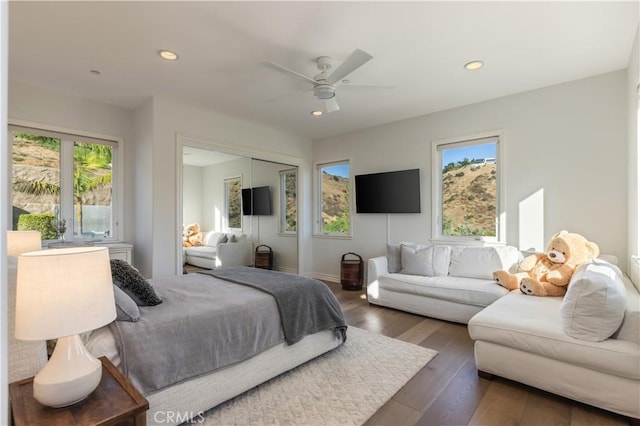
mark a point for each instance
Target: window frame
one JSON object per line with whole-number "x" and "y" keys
{"x": 436, "y": 190}
{"x": 66, "y": 170}
{"x": 318, "y": 229}
{"x": 226, "y": 201}
{"x": 283, "y": 201}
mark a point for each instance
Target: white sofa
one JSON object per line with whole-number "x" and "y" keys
{"x": 528, "y": 339}
{"x": 584, "y": 346}
{"x": 458, "y": 285}
{"x": 220, "y": 249}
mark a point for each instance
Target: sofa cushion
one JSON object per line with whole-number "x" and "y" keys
{"x": 430, "y": 261}
{"x": 214, "y": 238}
{"x": 207, "y": 252}
{"x": 481, "y": 262}
{"x": 468, "y": 291}
{"x": 394, "y": 259}
{"x": 595, "y": 303}
{"x": 533, "y": 324}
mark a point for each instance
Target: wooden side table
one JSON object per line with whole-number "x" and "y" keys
{"x": 114, "y": 402}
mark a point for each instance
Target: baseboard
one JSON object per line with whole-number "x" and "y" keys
{"x": 325, "y": 277}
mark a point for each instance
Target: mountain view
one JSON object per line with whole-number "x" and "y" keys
{"x": 335, "y": 203}
{"x": 469, "y": 198}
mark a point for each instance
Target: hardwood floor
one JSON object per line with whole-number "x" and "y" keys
{"x": 448, "y": 391}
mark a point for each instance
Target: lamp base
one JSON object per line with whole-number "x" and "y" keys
{"x": 70, "y": 376}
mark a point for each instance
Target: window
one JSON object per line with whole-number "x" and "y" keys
{"x": 334, "y": 203}
{"x": 233, "y": 202}
{"x": 63, "y": 185}
{"x": 288, "y": 201}
{"x": 466, "y": 189}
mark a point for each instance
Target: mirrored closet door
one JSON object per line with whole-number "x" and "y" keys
{"x": 233, "y": 194}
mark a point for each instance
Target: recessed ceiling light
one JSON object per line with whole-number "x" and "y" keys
{"x": 473, "y": 65}
{"x": 317, "y": 113}
{"x": 168, "y": 55}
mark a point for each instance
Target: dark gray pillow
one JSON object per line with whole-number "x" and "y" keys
{"x": 131, "y": 281}
{"x": 126, "y": 308}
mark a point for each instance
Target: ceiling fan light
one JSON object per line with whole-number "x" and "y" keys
{"x": 324, "y": 91}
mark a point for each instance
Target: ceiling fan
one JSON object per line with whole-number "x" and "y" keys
{"x": 324, "y": 84}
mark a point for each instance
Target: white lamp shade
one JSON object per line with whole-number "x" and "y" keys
{"x": 62, "y": 292}
{"x": 19, "y": 242}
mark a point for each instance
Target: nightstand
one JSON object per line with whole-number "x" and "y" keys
{"x": 114, "y": 402}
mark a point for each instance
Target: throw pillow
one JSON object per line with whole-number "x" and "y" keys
{"x": 595, "y": 303}
{"x": 126, "y": 308}
{"x": 131, "y": 281}
{"x": 481, "y": 262}
{"x": 430, "y": 261}
{"x": 415, "y": 259}
{"x": 394, "y": 264}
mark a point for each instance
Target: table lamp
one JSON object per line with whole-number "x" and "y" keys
{"x": 23, "y": 241}
{"x": 61, "y": 293}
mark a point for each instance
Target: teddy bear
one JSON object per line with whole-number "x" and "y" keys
{"x": 548, "y": 274}
{"x": 191, "y": 236}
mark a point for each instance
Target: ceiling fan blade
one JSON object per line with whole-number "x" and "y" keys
{"x": 331, "y": 105}
{"x": 287, "y": 70}
{"x": 356, "y": 60}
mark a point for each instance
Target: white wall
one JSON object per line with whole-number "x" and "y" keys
{"x": 142, "y": 186}
{"x": 569, "y": 140}
{"x": 213, "y": 195}
{"x": 49, "y": 108}
{"x": 633, "y": 80}
{"x": 170, "y": 119}
{"x": 267, "y": 228}
{"x": 4, "y": 210}
{"x": 192, "y": 195}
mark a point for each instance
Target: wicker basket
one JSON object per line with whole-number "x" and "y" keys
{"x": 264, "y": 257}
{"x": 351, "y": 272}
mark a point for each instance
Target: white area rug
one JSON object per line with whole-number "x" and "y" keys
{"x": 343, "y": 387}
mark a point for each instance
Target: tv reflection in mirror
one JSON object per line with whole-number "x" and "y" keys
{"x": 256, "y": 201}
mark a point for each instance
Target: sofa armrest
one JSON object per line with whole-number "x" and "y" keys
{"x": 376, "y": 266}
{"x": 234, "y": 254}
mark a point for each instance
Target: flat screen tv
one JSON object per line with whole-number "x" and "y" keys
{"x": 256, "y": 201}
{"x": 388, "y": 192}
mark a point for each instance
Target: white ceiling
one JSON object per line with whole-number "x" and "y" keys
{"x": 419, "y": 48}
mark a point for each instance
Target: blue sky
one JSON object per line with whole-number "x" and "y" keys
{"x": 341, "y": 170}
{"x": 487, "y": 150}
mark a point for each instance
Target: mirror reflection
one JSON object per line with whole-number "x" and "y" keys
{"x": 238, "y": 211}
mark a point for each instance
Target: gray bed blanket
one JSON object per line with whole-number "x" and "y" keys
{"x": 203, "y": 324}
{"x": 306, "y": 305}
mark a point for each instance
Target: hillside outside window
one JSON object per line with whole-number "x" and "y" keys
{"x": 333, "y": 216}
{"x": 63, "y": 185}
{"x": 233, "y": 202}
{"x": 288, "y": 201}
{"x": 467, "y": 189}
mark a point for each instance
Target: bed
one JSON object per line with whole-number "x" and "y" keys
{"x": 259, "y": 333}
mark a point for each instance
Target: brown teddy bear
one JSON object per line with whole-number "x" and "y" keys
{"x": 191, "y": 236}
{"x": 548, "y": 274}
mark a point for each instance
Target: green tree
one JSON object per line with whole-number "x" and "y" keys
{"x": 92, "y": 169}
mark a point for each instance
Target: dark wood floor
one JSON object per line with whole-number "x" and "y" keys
{"x": 448, "y": 391}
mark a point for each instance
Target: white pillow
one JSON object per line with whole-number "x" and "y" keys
{"x": 214, "y": 238}
{"x": 430, "y": 261}
{"x": 481, "y": 262}
{"x": 595, "y": 303}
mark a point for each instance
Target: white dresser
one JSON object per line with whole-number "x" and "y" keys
{"x": 122, "y": 251}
